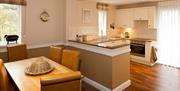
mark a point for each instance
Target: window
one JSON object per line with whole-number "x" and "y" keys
{"x": 169, "y": 33}
{"x": 102, "y": 15}
{"x": 9, "y": 20}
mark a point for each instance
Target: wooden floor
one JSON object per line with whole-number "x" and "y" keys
{"x": 87, "y": 87}
{"x": 156, "y": 78}
{"x": 146, "y": 78}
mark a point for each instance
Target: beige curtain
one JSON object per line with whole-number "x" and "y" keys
{"x": 16, "y": 2}
{"x": 102, "y": 6}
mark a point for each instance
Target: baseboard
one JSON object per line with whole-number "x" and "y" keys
{"x": 123, "y": 86}
{"x": 142, "y": 62}
{"x": 103, "y": 88}
{"x": 43, "y": 45}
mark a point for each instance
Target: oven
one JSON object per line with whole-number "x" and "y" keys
{"x": 138, "y": 48}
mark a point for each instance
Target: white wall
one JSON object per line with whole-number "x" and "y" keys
{"x": 35, "y": 32}
{"x": 74, "y": 19}
{"x": 141, "y": 30}
{"x": 111, "y": 19}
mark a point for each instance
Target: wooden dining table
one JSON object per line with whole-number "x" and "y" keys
{"x": 25, "y": 82}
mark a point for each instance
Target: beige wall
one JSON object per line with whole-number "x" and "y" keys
{"x": 74, "y": 18}
{"x": 36, "y": 32}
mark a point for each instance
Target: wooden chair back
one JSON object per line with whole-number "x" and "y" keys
{"x": 4, "y": 81}
{"x": 17, "y": 52}
{"x": 55, "y": 54}
{"x": 70, "y": 59}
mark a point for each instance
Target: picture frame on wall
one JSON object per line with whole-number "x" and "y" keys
{"x": 86, "y": 15}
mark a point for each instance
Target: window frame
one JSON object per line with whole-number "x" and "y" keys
{"x": 102, "y": 22}
{"x": 19, "y": 25}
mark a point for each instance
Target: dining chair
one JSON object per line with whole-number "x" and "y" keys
{"x": 70, "y": 59}
{"x": 63, "y": 82}
{"x": 4, "y": 81}
{"x": 55, "y": 54}
{"x": 17, "y": 52}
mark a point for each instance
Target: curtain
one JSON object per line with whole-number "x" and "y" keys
{"x": 169, "y": 33}
{"x": 102, "y": 6}
{"x": 102, "y": 16}
{"x": 16, "y": 2}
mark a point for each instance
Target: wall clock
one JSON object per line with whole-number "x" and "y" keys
{"x": 44, "y": 16}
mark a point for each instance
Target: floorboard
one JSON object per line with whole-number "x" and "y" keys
{"x": 156, "y": 78}
{"x": 146, "y": 78}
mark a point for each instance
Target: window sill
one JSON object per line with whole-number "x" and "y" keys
{"x": 4, "y": 44}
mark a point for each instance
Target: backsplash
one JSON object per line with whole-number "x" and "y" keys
{"x": 90, "y": 31}
{"x": 141, "y": 30}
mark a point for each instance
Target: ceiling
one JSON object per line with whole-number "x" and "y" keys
{"x": 121, "y": 2}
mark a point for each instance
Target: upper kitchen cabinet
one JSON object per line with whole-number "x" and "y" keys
{"x": 140, "y": 13}
{"x": 146, "y": 13}
{"x": 124, "y": 18}
{"x": 129, "y": 15}
{"x": 152, "y": 17}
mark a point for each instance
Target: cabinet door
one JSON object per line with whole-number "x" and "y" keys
{"x": 140, "y": 13}
{"x": 152, "y": 16}
{"x": 124, "y": 18}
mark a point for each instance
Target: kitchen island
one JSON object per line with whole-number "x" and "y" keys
{"x": 105, "y": 65}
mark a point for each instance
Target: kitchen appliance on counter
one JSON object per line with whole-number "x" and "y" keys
{"x": 81, "y": 38}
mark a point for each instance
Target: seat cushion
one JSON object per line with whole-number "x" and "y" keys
{"x": 62, "y": 82}
{"x": 64, "y": 77}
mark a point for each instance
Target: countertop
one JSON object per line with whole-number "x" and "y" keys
{"x": 142, "y": 39}
{"x": 111, "y": 44}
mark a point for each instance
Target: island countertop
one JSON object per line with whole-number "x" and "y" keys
{"x": 113, "y": 44}
{"x": 109, "y": 48}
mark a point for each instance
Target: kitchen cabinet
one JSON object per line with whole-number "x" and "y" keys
{"x": 140, "y": 13}
{"x": 152, "y": 17}
{"x": 126, "y": 17}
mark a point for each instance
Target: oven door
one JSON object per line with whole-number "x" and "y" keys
{"x": 138, "y": 49}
